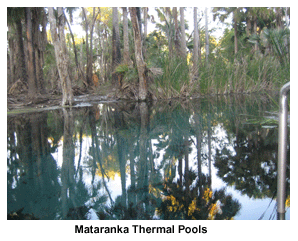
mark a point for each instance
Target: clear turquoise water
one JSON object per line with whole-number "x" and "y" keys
{"x": 209, "y": 158}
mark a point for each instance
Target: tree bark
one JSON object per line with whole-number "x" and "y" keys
{"x": 138, "y": 54}
{"x": 116, "y": 54}
{"x": 31, "y": 64}
{"x": 61, "y": 54}
{"x": 125, "y": 37}
{"x": 37, "y": 48}
{"x": 235, "y": 32}
{"x": 88, "y": 77}
{"x": 145, "y": 30}
{"x": 20, "y": 63}
{"x": 91, "y": 43}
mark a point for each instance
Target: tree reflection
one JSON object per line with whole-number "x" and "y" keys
{"x": 31, "y": 170}
{"x": 163, "y": 154}
{"x": 251, "y": 166}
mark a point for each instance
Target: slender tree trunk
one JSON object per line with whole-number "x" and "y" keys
{"x": 116, "y": 54}
{"x": 145, "y": 30}
{"x": 61, "y": 54}
{"x": 138, "y": 54}
{"x": 31, "y": 64}
{"x": 91, "y": 43}
{"x": 183, "y": 40}
{"x": 90, "y": 57}
{"x": 88, "y": 77}
{"x": 78, "y": 64}
{"x": 125, "y": 37}
{"x": 73, "y": 42}
{"x": 236, "y": 33}
{"x": 196, "y": 44}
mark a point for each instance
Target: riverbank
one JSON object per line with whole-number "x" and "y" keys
{"x": 17, "y": 104}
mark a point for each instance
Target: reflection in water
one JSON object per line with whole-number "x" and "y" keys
{"x": 199, "y": 159}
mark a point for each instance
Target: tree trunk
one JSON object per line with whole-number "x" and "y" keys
{"x": 138, "y": 54}
{"x": 88, "y": 76}
{"x": 145, "y": 30}
{"x": 236, "y": 33}
{"x": 73, "y": 44}
{"x": 20, "y": 56}
{"x": 125, "y": 37}
{"x": 10, "y": 62}
{"x": 91, "y": 43}
{"x": 116, "y": 54}
{"x": 37, "y": 49}
{"x": 196, "y": 44}
{"x": 183, "y": 40}
{"x": 139, "y": 20}
{"x": 61, "y": 54}
{"x": 31, "y": 64}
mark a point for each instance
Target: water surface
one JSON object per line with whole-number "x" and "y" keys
{"x": 209, "y": 158}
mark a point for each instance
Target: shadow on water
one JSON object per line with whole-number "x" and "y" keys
{"x": 196, "y": 159}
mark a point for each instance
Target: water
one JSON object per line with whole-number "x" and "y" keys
{"x": 204, "y": 159}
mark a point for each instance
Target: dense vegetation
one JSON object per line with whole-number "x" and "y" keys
{"x": 119, "y": 58}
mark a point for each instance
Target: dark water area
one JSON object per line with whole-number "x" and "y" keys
{"x": 208, "y": 158}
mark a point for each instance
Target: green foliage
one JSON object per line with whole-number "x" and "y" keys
{"x": 122, "y": 69}
{"x": 174, "y": 82}
{"x": 129, "y": 73}
{"x": 245, "y": 74}
{"x": 279, "y": 41}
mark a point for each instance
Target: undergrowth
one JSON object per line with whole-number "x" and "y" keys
{"x": 246, "y": 74}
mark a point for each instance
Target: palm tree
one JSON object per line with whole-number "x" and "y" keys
{"x": 165, "y": 17}
{"x": 222, "y": 13}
